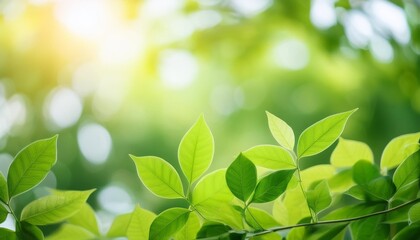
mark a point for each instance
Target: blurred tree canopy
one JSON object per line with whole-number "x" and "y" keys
{"x": 119, "y": 77}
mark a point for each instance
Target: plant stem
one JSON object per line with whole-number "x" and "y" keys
{"x": 271, "y": 230}
{"x": 303, "y": 191}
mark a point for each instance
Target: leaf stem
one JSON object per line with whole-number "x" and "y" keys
{"x": 271, "y": 230}
{"x": 303, "y": 191}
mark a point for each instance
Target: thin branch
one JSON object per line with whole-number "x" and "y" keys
{"x": 271, "y": 230}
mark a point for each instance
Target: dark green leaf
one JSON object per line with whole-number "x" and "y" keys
{"x": 414, "y": 213}
{"x": 381, "y": 187}
{"x": 7, "y": 234}
{"x": 364, "y": 172}
{"x": 272, "y": 186}
{"x": 30, "y": 232}
{"x": 3, "y": 213}
{"x": 212, "y": 229}
{"x": 324, "y": 232}
{"x": 410, "y": 232}
{"x": 364, "y": 229}
{"x": 241, "y": 177}
{"x": 408, "y": 171}
{"x": 31, "y": 165}
{"x": 168, "y": 223}
{"x": 4, "y": 194}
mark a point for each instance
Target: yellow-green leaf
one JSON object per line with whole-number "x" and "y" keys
{"x": 322, "y": 134}
{"x": 269, "y": 156}
{"x": 212, "y": 187}
{"x": 168, "y": 223}
{"x": 54, "y": 208}
{"x": 196, "y": 150}
{"x": 71, "y": 232}
{"x": 259, "y": 219}
{"x": 398, "y": 149}
{"x": 281, "y": 131}
{"x": 191, "y": 228}
{"x": 319, "y": 198}
{"x": 85, "y": 218}
{"x": 348, "y": 152}
{"x": 159, "y": 176}
{"x": 414, "y": 213}
{"x": 408, "y": 171}
{"x": 316, "y": 173}
{"x": 31, "y": 165}
{"x": 139, "y": 224}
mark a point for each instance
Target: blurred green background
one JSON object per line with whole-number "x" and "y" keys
{"x": 119, "y": 77}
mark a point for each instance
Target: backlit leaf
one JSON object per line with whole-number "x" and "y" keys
{"x": 4, "y": 194}
{"x": 281, "y": 131}
{"x": 397, "y": 150}
{"x": 212, "y": 187}
{"x": 269, "y": 156}
{"x": 414, "y": 213}
{"x": 348, "y": 152}
{"x": 31, "y": 165}
{"x": 168, "y": 223}
{"x": 272, "y": 186}
{"x": 214, "y": 210}
{"x": 259, "y": 219}
{"x": 196, "y": 149}
{"x": 319, "y": 198}
{"x": 54, "y": 208}
{"x": 191, "y": 228}
{"x": 119, "y": 226}
{"x": 139, "y": 224}
{"x": 322, "y": 134}
{"x": 85, "y": 218}
{"x": 316, "y": 173}
{"x": 295, "y": 203}
{"x": 159, "y": 177}
{"x": 241, "y": 177}
{"x": 71, "y": 232}
{"x": 408, "y": 171}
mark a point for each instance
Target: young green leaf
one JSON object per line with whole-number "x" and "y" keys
{"x": 408, "y": 171}
{"x": 224, "y": 212}
{"x": 4, "y": 194}
{"x": 71, "y": 232}
{"x": 7, "y": 234}
{"x": 281, "y": 131}
{"x": 319, "y": 198}
{"x": 54, "y": 208}
{"x": 414, "y": 213}
{"x": 168, "y": 223}
{"x": 191, "y": 228}
{"x": 322, "y": 134}
{"x": 269, "y": 156}
{"x": 85, "y": 218}
{"x": 31, "y": 165}
{"x": 341, "y": 181}
{"x": 159, "y": 177}
{"x": 348, "y": 152}
{"x": 364, "y": 172}
{"x": 259, "y": 219}
{"x": 241, "y": 177}
{"x": 294, "y": 202}
{"x": 272, "y": 186}
{"x": 139, "y": 225}
{"x": 3, "y": 213}
{"x": 316, "y": 173}
{"x": 397, "y": 150}
{"x": 30, "y": 232}
{"x": 212, "y": 187}
{"x": 196, "y": 150}
{"x": 119, "y": 226}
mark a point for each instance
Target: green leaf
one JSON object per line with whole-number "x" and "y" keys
{"x": 364, "y": 172}
{"x": 4, "y": 194}
{"x": 363, "y": 229}
{"x": 159, "y": 177}
{"x": 324, "y": 232}
{"x": 119, "y": 226}
{"x": 410, "y": 232}
{"x": 212, "y": 229}
{"x": 348, "y": 152}
{"x": 350, "y": 211}
{"x": 269, "y": 156}
{"x": 31, "y": 165}
{"x": 223, "y": 212}
{"x": 381, "y": 187}
{"x": 212, "y": 187}
{"x": 196, "y": 150}
{"x": 414, "y": 213}
{"x": 30, "y": 232}
{"x": 294, "y": 203}
{"x": 322, "y": 134}
{"x": 139, "y": 224}
{"x": 341, "y": 181}
{"x": 269, "y": 236}
{"x": 408, "y": 171}
{"x": 85, "y": 218}
{"x": 316, "y": 173}
{"x": 281, "y": 131}
{"x": 259, "y": 219}
{"x": 397, "y": 150}
{"x": 54, "y": 208}
{"x": 319, "y": 198}
{"x": 3, "y": 213}
{"x": 168, "y": 223}
{"x": 272, "y": 186}
{"x": 191, "y": 228}
{"x": 71, "y": 232}
{"x": 7, "y": 234}
{"x": 241, "y": 177}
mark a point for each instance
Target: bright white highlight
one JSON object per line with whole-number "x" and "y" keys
{"x": 381, "y": 49}
{"x": 115, "y": 200}
{"x": 95, "y": 143}
{"x": 64, "y": 107}
{"x": 12, "y": 112}
{"x": 251, "y": 7}
{"x": 205, "y": 19}
{"x": 177, "y": 68}
{"x": 358, "y": 28}
{"x": 291, "y": 54}
{"x": 153, "y": 9}
{"x": 323, "y": 13}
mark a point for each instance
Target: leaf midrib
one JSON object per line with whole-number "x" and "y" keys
{"x": 53, "y": 209}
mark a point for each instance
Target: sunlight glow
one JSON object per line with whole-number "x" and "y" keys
{"x": 95, "y": 143}
{"x": 251, "y": 7}
{"x": 358, "y": 28}
{"x": 63, "y": 107}
{"x": 291, "y": 54}
{"x": 381, "y": 49}
{"x": 115, "y": 200}
{"x": 177, "y": 68}
{"x": 205, "y": 19}
{"x": 323, "y": 13}
{"x": 12, "y": 113}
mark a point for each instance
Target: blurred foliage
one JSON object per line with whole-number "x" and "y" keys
{"x": 139, "y": 73}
